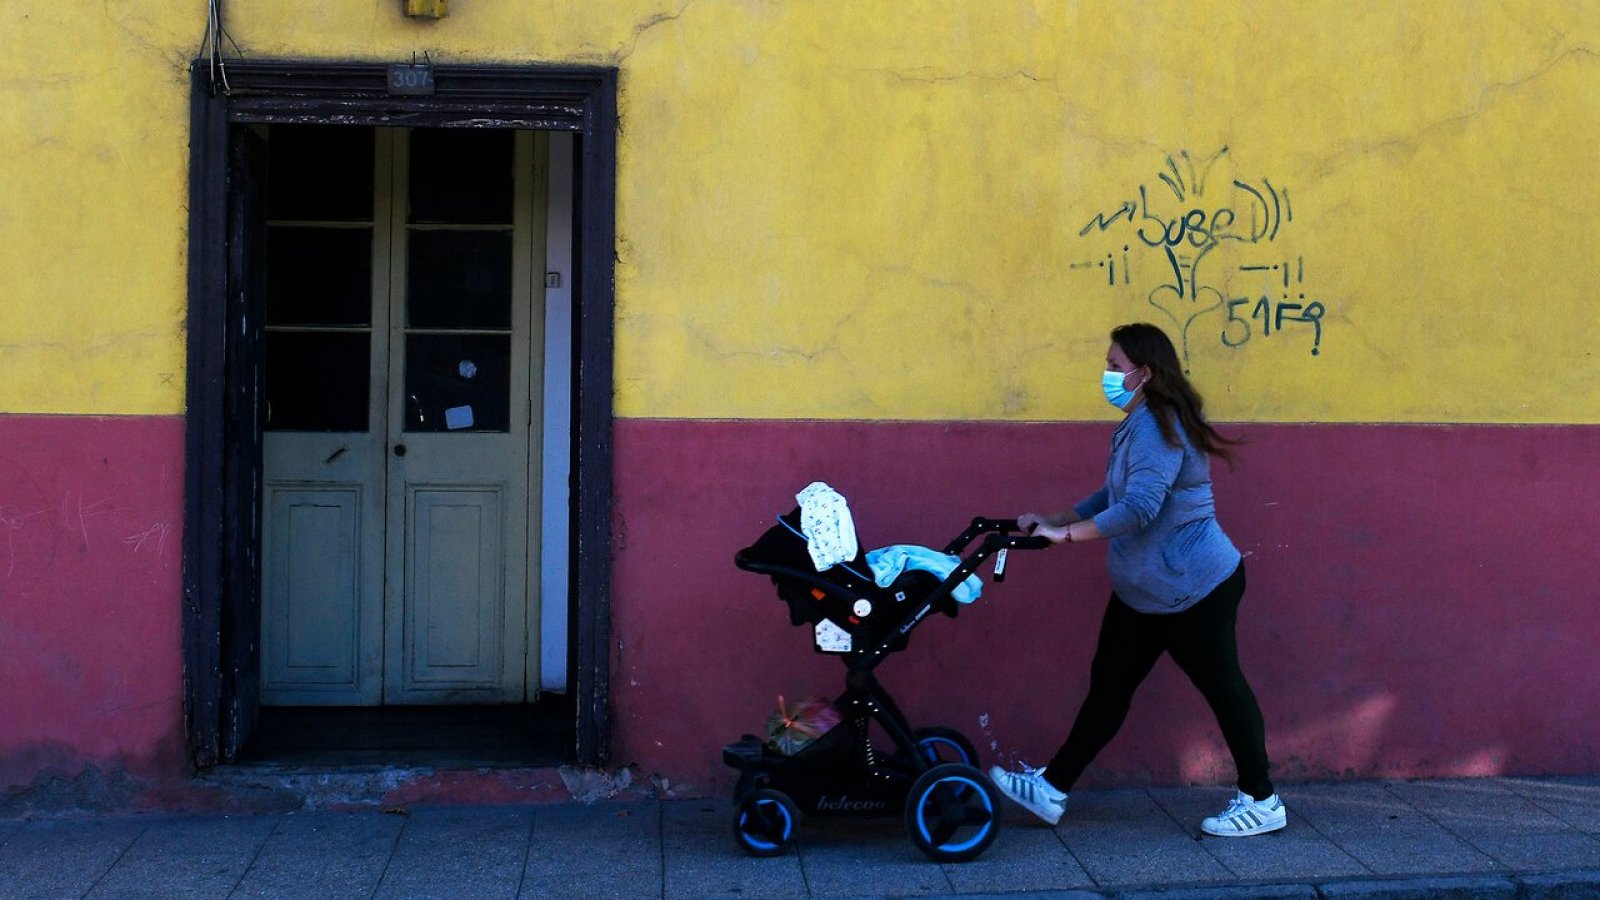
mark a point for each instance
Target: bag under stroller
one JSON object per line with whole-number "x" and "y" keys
{"x": 951, "y": 809}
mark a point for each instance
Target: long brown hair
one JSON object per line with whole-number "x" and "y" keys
{"x": 1168, "y": 394}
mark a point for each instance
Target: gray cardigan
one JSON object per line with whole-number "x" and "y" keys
{"x": 1167, "y": 550}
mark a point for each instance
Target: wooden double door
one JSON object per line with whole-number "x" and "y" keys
{"x": 403, "y": 274}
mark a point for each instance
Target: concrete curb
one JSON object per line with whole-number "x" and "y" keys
{"x": 1584, "y": 884}
{"x": 1571, "y": 885}
{"x": 1469, "y": 887}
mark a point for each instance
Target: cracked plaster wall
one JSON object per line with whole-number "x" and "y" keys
{"x": 883, "y": 201}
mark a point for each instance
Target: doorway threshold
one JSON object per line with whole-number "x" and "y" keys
{"x": 263, "y": 787}
{"x": 444, "y": 737}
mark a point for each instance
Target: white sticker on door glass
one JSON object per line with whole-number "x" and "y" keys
{"x": 458, "y": 417}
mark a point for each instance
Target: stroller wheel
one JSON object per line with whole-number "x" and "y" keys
{"x": 953, "y": 812}
{"x": 942, "y": 745}
{"x": 765, "y": 823}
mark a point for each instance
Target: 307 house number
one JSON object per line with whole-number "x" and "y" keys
{"x": 411, "y": 79}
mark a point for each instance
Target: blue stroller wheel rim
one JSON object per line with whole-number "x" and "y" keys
{"x": 967, "y": 789}
{"x": 952, "y": 813}
{"x": 771, "y": 813}
{"x": 939, "y": 745}
{"x": 931, "y": 744}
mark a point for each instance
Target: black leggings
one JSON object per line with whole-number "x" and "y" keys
{"x": 1202, "y": 642}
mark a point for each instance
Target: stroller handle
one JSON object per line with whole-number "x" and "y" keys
{"x": 1000, "y": 537}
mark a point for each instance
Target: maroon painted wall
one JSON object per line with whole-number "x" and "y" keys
{"x": 91, "y": 562}
{"x": 1422, "y": 600}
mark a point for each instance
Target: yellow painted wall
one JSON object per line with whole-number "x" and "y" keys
{"x": 94, "y": 122}
{"x": 876, "y": 209}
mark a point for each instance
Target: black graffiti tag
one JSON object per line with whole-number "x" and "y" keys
{"x": 1252, "y": 213}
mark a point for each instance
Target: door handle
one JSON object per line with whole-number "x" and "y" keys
{"x": 399, "y": 449}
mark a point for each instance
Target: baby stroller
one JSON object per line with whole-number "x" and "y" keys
{"x": 951, "y": 807}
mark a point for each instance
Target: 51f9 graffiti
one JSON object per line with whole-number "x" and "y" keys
{"x": 1214, "y": 239}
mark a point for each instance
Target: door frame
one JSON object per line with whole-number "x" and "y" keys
{"x": 222, "y": 489}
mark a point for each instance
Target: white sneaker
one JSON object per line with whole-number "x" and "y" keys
{"x": 1029, "y": 789}
{"x": 1245, "y": 816}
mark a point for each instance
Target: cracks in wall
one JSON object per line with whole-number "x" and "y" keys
{"x": 170, "y": 54}
{"x": 1488, "y": 97}
{"x": 83, "y": 346}
{"x": 931, "y": 75}
{"x": 823, "y": 347}
{"x": 651, "y": 23}
{"x": 932, "y": 281}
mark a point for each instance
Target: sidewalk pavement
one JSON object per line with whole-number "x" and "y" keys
{"x": 1491, "y": 837}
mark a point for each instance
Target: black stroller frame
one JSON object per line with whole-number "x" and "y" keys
{"x": 951, "y": 808}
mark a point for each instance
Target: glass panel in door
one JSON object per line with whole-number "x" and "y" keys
{"x": 457, "y": 585}
{"x": 323, "y": 455}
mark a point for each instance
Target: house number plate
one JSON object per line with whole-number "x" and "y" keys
{"x": 404, "y": 79}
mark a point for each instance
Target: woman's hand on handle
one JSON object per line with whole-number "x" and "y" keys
{"x": 1055, "y": 527}
{"x": 1056, "y": 533}
{"x": 1059, "y": 528}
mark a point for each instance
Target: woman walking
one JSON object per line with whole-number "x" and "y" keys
{"x": 1176, "y": 583}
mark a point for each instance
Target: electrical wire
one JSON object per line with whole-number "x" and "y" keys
{"x": 211, "y": 45}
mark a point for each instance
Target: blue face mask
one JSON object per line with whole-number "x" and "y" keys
{"x": 1116, "y": 394}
